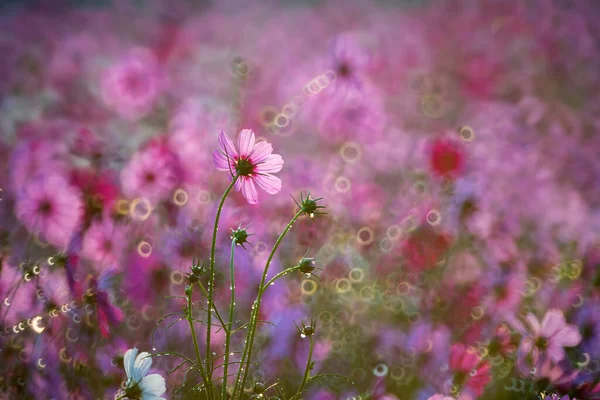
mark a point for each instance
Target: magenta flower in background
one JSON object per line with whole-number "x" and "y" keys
{"x": 469, "y": 370}
{"x": 50, "y": 207}
{"x": 254, "y": 164}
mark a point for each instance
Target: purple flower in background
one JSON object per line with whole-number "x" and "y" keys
{"x": 545, "y": 341}
{"x": 254, "y": 164}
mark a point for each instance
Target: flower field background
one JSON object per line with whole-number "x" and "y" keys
{"x": 448, "y": 249}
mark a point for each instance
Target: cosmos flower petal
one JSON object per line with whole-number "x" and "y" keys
{"x": 227, "y": 145}
{"x": 269, "y": 183}
{"x": 556, "y": 352}
{"x": 569, "y": 336}
{"x": 153, "y": 384}
{"x": 249, "y": 190}
{"x": 151, "y": 396}
{"x": 553, "y": 322}
{"x": 270, "y": 165}
{"x": 221, "y": 162}
{"x": 456, "y": 355}
{"x": 534, "y": 324}
{"x": 129, "y": 361}
{"x": 143, "y": 362}
{"x": 246, "y": 142}
{"x": 260, "y": 152}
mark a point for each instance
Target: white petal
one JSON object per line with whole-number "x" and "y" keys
{"x": 154, "y": 385}
{"x": 142, "y": 364}
{"x": 129, "y": 360}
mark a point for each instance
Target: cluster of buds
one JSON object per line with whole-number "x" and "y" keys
{"x": 197, "y": 270}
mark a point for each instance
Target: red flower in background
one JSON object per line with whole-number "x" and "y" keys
{"x": 425, "y": 247}
{"x": 446, "y": 158}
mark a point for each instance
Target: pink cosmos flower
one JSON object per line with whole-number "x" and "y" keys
{"x": 469, "y": 370}
{"x": 544, "y": 341}
{"x": 151, "y": 173}
{"x": 440, "y": 397}
{"x": 50, "y": 207}
{"x": 104, "y": 242}
{"x": 131, "y": 87}
{"x": 254, "y": 163}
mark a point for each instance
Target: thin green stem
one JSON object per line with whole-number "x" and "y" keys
{"x": 307, "y": 370}
{"x": 279, "y": 275}
{"x": 211, "y": 279}
{"x": 205, "y": 379}
{"x": 214, "y": 307}
{"x": 230, "y": 327}
{"x": 247, "y": 353}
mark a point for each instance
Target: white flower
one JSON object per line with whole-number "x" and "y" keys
{"x": 139, "y": 386}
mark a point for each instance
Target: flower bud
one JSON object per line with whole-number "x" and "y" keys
{"x": 258, "y": 387}
{"x": 309, "y": 206}
{"x": 240, "y": 235}
{"x": 307, "y": 265}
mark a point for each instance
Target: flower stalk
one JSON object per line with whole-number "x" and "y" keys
{"x": 247, "y": 353}
{"x": 211, "y": 278}
{"x": 230, "y": 323}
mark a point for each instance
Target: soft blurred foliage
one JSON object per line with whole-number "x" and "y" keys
{"x": 455, "y": 144}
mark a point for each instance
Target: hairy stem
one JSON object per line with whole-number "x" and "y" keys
{"x": 230, "y": 324}
{"x": 211, "y": 279}
{"x": 307, "y": 370}
{"x": 205, "y": 379}
{"x": 279, "y": 275}
{"x": 247, "y": 353}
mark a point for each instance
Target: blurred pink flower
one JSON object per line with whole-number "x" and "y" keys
{"x": 151, "y": 173}
{"x": 50, "y": 207}
{"x": 131, "y": 87}
{"x": 545, "y": 341}
{"x": 469, "y": 370}
{"x": 254, "y": 164}
{"x": 440, "y": 397}
{"x": 34, "y": 156}
{"x": 104, "y": 242}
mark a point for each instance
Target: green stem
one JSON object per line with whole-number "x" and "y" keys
{"x": 307, "y": 370}
{"x": 197, "y": 348}
{"x": 279, "y": 275}
{"x": 230, "y": 327}
{"x": 247, "y": 353}
{"x": 214, "y": 307}
{"x": 211, "y": 279}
